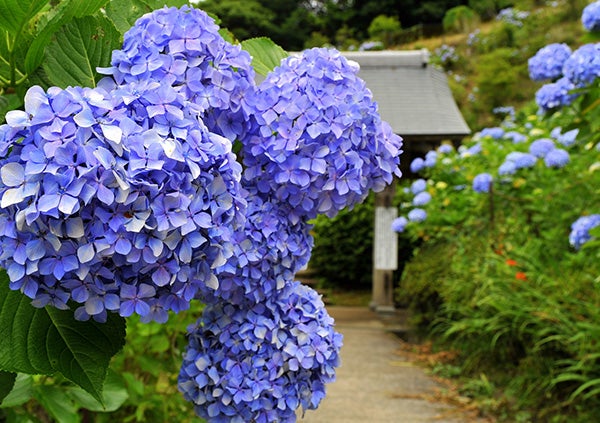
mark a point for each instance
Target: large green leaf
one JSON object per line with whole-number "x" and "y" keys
{"x": 266, "y": 55}
{"x": 48, "y": 340}
{"x": 7, "y": 381}
{"x": 21, "y": 392}
{"x": 124, "y": 13}
{"x": 114, "y": 395}
{"x": 78, "y": 48}
{"x": 66, "y": 11}
{"x": 14, "y": 14}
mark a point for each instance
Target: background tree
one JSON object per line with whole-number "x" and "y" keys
{"x": 460, "y": 19}
{"x": 385, "y": 29}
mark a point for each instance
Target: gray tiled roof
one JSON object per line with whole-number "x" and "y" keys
{"x": 413, "y": 96}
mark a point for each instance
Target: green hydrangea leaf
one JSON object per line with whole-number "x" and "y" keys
{"x": 66, "y": 11}
{"x": 14, "y": 14}
{"x": 78, "y": 48}
{"x": 266, "y": 55}
{"x": 7, "y": 381}
{"x": 48, "y": 340}
{"x": 124, "y": 13}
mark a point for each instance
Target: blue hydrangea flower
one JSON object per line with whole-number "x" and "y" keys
{"x": 109, "y": 213}
{"x": 547, "y": 63}
{"x": 583, "y": 66}
{"x": 482, "y": 182}
{"x": 421, "y": 199}
{"x": 521, "y": 160}
{"x": 261, "y": 364}
{"x": 507, "y": 168}
{"x": 556, "y": 94}
{"x": 399, "y": 224}
{"x": 177, "y": 56}
{"x": 515, "y": 137}
{"x": 590, "y": 16}
{"x": 557, "y": 158}
{"x": 417, "y": 165}
{"x": 430, "y": 159}
{"x": 318, "y": 142}
{"x": 268, "y": 250}
{"x": 417, "y": 215}
{"x": 567, "y": 139}
{"x": 580, "y": 230}
{"x": 470, "y": 151}
{"x": 419, "y": 185}
{"x": 445, "y": 148}
{"x": 541, "y": 147}
{"x": 494, "y": 132}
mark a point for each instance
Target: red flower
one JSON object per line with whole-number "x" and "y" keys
{"x": 511, "y": 262}
{"x": 521, "y": 276}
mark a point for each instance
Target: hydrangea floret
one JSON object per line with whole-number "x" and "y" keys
{"x": 417, "y": 215}
{"x": 555, "y": 94}
{"x": 482, "y": 182}
{"x": 583, "y": 66}
{"x": 399, "y": 224}
{"x": 557, "y": 158}
{"x": 539, "y": 148}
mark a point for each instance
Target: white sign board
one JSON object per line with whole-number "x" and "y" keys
{"x": 385, "y": 251}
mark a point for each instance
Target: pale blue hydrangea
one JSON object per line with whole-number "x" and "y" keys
{"x": 430, "y": 158}
{"x": 417, "y": 165}
{"x": 555, "y": 95}
{"x": 482, "y": 182}
{"x": 507, "y": 168}
{"x": 580, "y": 230}
{"x": 399, "y": 224}
{"x": 547, "y": 63}
{"x": 417, "y": 215}
{"x": 493, "y": 132}
{"x": 419, "y": 185}
{"x": 521, "y": 160}
{"x": 445, "y": 148}
{"x": 566, "y": 139}
{"x": 583, "y": 66}
{"x": 515, "y": 137}
{"x": 421, "y": 199}
{"x": 590, "y": 16}
{"x": 557, "y": 158}
{"x": 539, "y": 148}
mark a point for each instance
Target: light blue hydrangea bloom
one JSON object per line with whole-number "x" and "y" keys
{"x": 399, "y": 224}
{"x": 590, "y": 16}
{"x": 580, "y": 230}
{"x": 556, "y": 94}
{"x": 547, "y": 63}
{"x": 482, "y": 182}
{"x": 421, "y": 199}
{"x": 557, "y": 158}
{"x": 541, "y": 147}
{"x": 417, "y": 215}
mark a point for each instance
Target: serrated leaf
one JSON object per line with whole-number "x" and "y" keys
{"x": 48, "y": 340}
{"x": 7, "y": 381}
{"x": 80, "y": 47}
{"x": 14, "y": 14}
{"x": 22, "y": 392}
{"x": 124, "y": 13}
{"x": 67, "y": 11}
{"x": 157, "y": 4}
{"x": 266, "y": 55}
{"x": 52, "y": 398}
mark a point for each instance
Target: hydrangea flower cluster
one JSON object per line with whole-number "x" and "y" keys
{"x": 580, "y": 230}
{"x": 539, "y": 148}
{"x": 583, "y": 66}
{"x": 108, "y": 213}
{"x": 482, "y": 183}
{"x": 512, "y": 16}
{"x": 177, "y": 56}
{"x": 556, "y": 94}
{"x": 590, "y": 18}
{"x": 547, "y": 63}
{"x": 318, "y": 142}
{"x": 128, "y": 198}
{"x": 268, "y": 252}
{"x": 260, "y": 364}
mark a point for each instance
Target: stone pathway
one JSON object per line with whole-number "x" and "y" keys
{"x": 375, "y": 384}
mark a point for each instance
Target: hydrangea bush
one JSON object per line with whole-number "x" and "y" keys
{"x": 127, "y": 198}
{"x": 506, "y": 265}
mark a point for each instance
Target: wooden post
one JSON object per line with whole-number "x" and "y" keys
{"x": 385, "y": 251}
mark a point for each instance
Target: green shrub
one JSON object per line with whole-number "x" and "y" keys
{"x": 460, "y": 19}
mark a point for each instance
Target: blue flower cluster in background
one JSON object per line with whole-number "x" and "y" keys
{"x": 548, "y": 62}
{"x": 128, "y": 198}
{"x": 590, "y": 18}
{"x": 580, "y": 230}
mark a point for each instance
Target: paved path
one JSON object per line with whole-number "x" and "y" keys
{"x": 375, "y": 384}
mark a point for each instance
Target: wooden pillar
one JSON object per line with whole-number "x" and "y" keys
{"x": 385, "y": 251}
